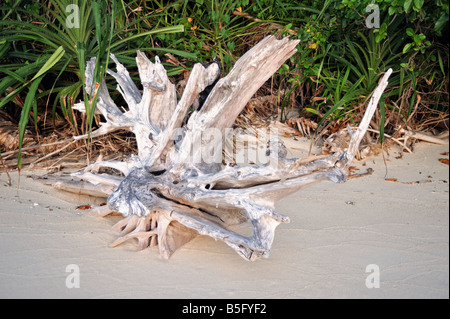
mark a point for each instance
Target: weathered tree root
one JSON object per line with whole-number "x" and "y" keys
{"x": 176, "y": 187}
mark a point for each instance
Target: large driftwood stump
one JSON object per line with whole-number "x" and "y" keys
{"x": 176, "y": 187}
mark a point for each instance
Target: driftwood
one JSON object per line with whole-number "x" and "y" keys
{"x": 177, "y": 187}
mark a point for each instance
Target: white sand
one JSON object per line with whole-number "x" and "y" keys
{"x": 336, "y": 230}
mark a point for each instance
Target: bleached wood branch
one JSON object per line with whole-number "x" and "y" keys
{"x": 165, "y": 195}
{"x": 357, "y": 136}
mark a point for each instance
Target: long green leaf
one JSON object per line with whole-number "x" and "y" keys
{"x": 411, "y": 103}
{"x": 24, "y": 116}
{"x": 441, "y": 64}
{"x": 171, "y": 29}
{"x": 14, "y": 75}
{"x": 10, "y": 96}
{"x": 56, "y": 56}
{"x": 81, "y": 56}
{"x": 9, "y": 81}
{"x": 97, "y": 18}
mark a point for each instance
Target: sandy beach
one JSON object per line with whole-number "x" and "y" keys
{"x": 395, "y": 221}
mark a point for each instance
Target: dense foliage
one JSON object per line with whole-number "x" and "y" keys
{"x": 345, "y": 46}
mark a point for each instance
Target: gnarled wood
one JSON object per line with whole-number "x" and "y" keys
{"x": 175, "y": 188}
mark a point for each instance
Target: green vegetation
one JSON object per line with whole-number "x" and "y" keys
{"x": 53, "y": 39}
{"x": 339, "y": 60}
